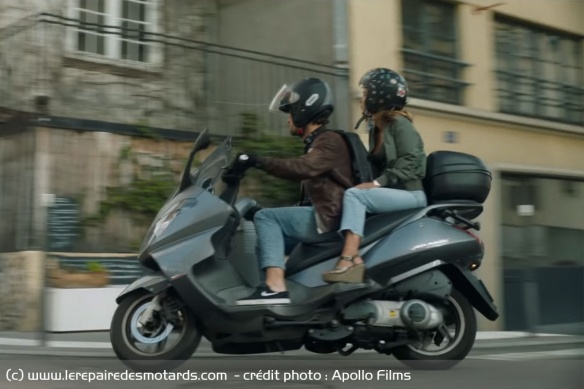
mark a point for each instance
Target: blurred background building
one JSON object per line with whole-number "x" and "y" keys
{"x": 503, "y": 81}
{"x": 100, "y": 101}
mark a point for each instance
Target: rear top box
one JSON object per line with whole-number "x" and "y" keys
{"x": 451, "y": 175}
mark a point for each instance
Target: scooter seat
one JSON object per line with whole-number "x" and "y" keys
{"x": 328, "y": 245}
{"x": 375, "y": 225}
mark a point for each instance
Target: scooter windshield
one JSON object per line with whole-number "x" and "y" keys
{"x": 210, "y": 170}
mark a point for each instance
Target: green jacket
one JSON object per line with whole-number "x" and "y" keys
{"x": 404, "y": 162}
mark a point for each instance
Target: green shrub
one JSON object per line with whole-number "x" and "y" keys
{"x": 268, "y": 190}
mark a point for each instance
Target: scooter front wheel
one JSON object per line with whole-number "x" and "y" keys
{"x": 161, "y": 344}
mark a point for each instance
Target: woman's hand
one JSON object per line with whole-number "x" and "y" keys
{"x": 367, "y": 185}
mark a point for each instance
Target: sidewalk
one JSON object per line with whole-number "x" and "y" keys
{"x": 97, "y": 344}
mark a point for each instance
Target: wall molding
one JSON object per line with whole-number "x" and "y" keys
{"x": 539, "y": 171}
{"x": 524, "y": 123}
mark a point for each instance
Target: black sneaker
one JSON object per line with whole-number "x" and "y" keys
{"x": 265, "y": 296}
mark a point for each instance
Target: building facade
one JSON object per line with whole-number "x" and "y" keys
{"x": 505, "y": 82}
{"x": 130, "y": 62}
{"x": 137, "y": 68}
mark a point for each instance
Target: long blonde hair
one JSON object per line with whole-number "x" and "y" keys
{"x": 384, "y": 118}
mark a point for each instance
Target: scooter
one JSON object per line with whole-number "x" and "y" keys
{"x": 415, "y": 303}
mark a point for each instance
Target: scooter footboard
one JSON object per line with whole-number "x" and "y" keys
{"x": 153, "y": 284}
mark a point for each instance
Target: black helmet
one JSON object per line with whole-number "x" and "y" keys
{"x": 306, "y": 100}
{"x": 386, "y": 89}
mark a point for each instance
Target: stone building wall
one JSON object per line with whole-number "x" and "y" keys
{"x": 20, "y": 290}
{"x": 42, "y": 71}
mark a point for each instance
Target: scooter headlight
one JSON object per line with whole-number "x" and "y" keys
{"x": 162, "y": 224}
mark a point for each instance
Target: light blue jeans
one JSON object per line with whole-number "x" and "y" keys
{"x": 358, "y": 202}
{"x": 278, "y": 230}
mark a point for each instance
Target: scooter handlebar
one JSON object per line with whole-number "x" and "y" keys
{"x": 236, "y": 170}
{"x": 249, "y": 215}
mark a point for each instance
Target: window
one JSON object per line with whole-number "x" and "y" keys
{"x": 539, "y": 72}
{"x": 430, "y": 50}
{"x": 520, "y": 190}
{"x": 114, "y": 29}
{"x": 553, "y": 233}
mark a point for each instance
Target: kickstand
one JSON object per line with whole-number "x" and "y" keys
{"x": 348, "y": 352}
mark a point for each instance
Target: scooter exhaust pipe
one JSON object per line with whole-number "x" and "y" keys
{"x": 415, "y": 314}
{"x": 420, "y": 315}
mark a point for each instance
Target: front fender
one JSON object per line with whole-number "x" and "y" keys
{"x": 153, "y": 284}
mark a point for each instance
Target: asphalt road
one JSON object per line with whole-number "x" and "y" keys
{"x": 546, "y": 367}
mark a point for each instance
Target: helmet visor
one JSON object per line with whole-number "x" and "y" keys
{"x": 283, "y": 100}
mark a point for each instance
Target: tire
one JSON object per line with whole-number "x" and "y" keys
{"x": 139, "y": 361}
{"x": 463, "y": 341}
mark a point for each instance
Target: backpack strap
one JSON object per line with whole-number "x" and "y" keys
{"x": 334, "y": 176}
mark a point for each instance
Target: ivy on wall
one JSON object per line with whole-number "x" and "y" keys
{"x": 268, "y": 190}
{"x": 147, "y": 191}
{"x": 141, "y": 197}
{"x": 148, "y": 187}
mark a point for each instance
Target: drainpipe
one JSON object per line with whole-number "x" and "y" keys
{"x": 341, "y": 87}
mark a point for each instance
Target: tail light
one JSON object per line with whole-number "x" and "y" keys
{"x": 470, "y": 233}
{"x": 475, "y": 265}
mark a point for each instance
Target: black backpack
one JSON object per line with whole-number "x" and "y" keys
{"x": 360, "y": 164}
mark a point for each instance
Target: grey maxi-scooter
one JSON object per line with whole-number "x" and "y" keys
{"x": 416, "y": 302}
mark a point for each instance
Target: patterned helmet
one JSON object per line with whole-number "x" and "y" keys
{"x": 385, "y": 90}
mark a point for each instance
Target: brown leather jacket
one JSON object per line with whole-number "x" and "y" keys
{"x": 325, "y": 172}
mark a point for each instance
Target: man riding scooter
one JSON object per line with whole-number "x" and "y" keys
{"x": 325, "y": 172}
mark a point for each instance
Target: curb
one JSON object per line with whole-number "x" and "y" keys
{"x": 481, "y": 336}
{"x": 485, "y": 341}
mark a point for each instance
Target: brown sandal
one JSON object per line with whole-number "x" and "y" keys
{"x": 350, "y": 274}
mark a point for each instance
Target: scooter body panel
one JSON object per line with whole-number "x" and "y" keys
{"x": 410, "y": 246}
{"x": 200, "y": 227}
{"x": 417, "y": 244}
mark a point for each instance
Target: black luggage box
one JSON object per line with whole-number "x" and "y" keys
{"x": 451, "y": 175}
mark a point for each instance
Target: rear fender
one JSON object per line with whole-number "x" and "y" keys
{"x": 437, "y": 279}
{"x": 153, "y": 284}
{"x": 473, "y": 289}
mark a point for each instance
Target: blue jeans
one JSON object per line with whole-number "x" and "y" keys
{"x": 358, "y": 202}
{"x": 278, "y": 230}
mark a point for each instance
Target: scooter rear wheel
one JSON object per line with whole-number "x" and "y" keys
{"x": 125, "y": 332}
{"x": 461, "y": 317}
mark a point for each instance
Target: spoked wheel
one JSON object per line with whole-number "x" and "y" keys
{"x": 447, "y": 345}
{"x": 162, "y": 343}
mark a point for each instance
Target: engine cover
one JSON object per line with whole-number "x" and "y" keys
{"x": 412, "y": 313}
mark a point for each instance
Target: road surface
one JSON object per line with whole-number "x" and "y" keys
{"x": 551, "y": 366}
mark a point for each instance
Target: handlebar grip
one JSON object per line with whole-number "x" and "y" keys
{"x": 249, "y": 215}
